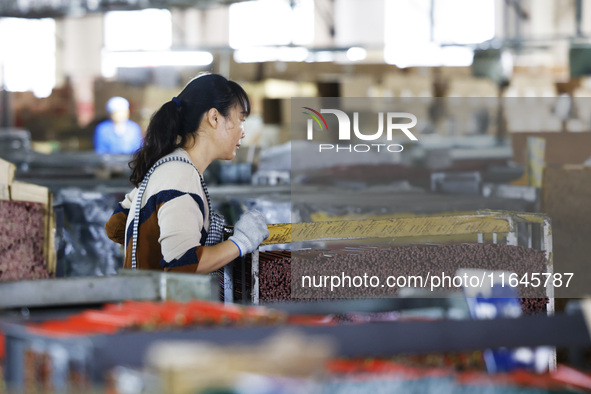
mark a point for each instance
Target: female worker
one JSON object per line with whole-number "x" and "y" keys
{"x": 175, "y": 230}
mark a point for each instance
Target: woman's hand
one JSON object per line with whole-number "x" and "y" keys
{"x": 249, "y": 232}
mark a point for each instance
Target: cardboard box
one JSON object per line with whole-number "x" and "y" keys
{"x": 561, "y": 148}
{"x": 566, "y": 191}
{"x": 7, "y": 171}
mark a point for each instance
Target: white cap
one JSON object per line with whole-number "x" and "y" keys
{"x": 117, "y": 104}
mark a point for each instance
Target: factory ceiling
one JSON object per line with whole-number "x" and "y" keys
{"x": 78, "y": 8}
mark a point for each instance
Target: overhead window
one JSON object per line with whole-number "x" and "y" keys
{"x": 144, "y": 30}
{"x": 422, "y": 32}
{"x": 27, "y": 55}
{"x": 257, "y": 27}
{"x": 137, "y": 39}
{"x": 463, "y": 21}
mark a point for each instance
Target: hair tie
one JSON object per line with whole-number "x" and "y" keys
{"x": 177, "y": 101}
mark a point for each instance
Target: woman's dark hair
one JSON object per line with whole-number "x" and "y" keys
{"x": 171, "y": 126}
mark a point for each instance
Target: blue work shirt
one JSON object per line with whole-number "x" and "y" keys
{"x": 107, "y": 140}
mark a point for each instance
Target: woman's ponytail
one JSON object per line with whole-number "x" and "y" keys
{"x": 160, "y": 140}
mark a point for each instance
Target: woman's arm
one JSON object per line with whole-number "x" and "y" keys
{"x": 182, "y": 235}
{"x": 214, "y": 257}
{"x": 249, "y": 232}
{"x": 204, "y": 259}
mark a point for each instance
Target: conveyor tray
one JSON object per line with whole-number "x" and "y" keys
{"x": 96, "y": 355}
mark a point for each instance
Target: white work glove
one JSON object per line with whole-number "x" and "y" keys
{"x": 249, "y": 232}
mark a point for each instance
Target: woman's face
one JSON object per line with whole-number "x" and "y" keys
{"x": 231, "y": 131}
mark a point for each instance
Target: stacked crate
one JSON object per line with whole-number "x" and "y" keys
{"x": 27, "y": 229}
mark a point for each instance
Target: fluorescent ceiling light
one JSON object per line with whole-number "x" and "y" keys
{"x": 270, "y": 54}
{"x": 356, "y": 54}
{"x": 113, "y": 60}
{"x": 321, "y": 56}
{"x": 428, "y": 55}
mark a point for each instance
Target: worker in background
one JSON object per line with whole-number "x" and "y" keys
{"x": 118, "y": 134}
{"x": 166, "y": 222}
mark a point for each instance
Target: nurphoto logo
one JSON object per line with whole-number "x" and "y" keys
{"x": 395, "y": 121}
